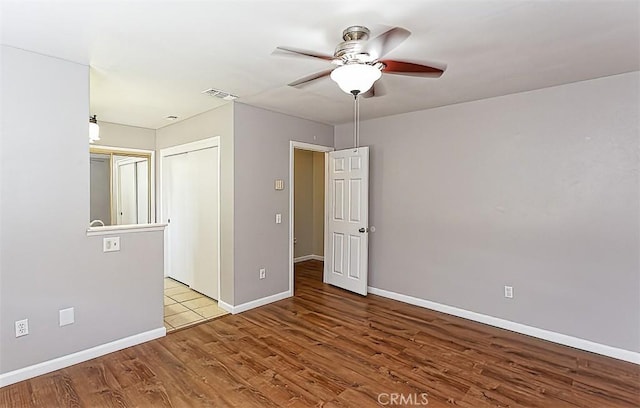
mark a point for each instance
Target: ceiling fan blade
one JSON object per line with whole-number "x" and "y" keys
{"x": 411, "y": 69}
{"x": 302, "y": 53}
{"x": 385, "y": 42}
{"x": 312, "y": 77}
{"x": 378, "y": 89}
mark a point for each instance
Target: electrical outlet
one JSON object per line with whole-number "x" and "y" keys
{"x": 508, "y": 292}
{"x": 22, "y": 327}
{"x": 263, "y": 273}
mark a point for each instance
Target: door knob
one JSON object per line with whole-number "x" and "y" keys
{"x": 363, "y": 230}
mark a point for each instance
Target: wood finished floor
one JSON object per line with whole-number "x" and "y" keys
{"x": 326, "y": 347}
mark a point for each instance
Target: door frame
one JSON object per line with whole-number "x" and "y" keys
{"x": 117, "y": 192}
{"x": 314, "y": 148}
{"x": 126, "y": 151}
{"x": 179, "y": 149}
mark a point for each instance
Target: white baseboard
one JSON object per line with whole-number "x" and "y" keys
{"x": 45, "y": 367}
{"x": 308, "y": 258}
{"x": 576, "y": 342}
{"x": 224, "y": 305}
{"x": 254, "y": 303}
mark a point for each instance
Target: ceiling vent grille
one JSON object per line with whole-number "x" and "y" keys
{"x": 216, "y": 93}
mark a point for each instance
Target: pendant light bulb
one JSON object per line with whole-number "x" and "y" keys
{"x": 356, "y": 78}
{"x": 94, "y": 129}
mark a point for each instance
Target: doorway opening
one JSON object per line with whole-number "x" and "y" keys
{"x": 189, "y": 205}
{"x": 346, "y": 218}
{"x": 307, "y": 210}
{"x": 185, "y": 307}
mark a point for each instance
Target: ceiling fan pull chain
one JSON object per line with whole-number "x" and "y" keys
{"x": 356, "y": 121}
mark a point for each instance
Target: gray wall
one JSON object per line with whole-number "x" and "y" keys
{"x": 538, "y": 190}
{"x": 216, "y": 122}
{"x": 254, "y": 149}
{"x": 100, "y": 189}
{"x": 308, "y": 203}
{"x": 303, "y": 203}
{"x": 318, "y": 203}
{"x": 262, "y": 155}
{"x": 47, "y": 262}
{"x": 117, "y": 135}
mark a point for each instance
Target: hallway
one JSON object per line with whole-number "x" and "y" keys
{"x": 184, "y": 307}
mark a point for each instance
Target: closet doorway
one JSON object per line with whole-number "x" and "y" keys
{"x": 307, "y": 218}
{"x": 189, "y": 189}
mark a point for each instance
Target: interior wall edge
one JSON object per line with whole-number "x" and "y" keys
{"x": 243, "y": 307}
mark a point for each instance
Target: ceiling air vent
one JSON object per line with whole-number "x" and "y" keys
{"x": 216, "y": 93}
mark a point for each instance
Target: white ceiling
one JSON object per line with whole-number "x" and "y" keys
{"x": 150, "y": 59}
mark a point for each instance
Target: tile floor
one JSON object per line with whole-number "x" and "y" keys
{"x": 184, "y": 307}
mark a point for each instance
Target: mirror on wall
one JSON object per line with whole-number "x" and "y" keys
{"x": 120, "y": 190}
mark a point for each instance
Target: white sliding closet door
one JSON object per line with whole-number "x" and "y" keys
{"x": 204, "y": 236}
{"x": 190, "y": 206}
{"x": 127, "y": 201}
{"x": 175, "y": 188}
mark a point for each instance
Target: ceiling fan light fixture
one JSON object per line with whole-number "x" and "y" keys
{"x": 355, "y": 79}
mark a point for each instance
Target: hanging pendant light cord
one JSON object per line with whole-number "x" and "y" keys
{"x": 356, "y": 121}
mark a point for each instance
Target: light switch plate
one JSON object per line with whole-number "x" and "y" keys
{"x": 111, "y": 244}
{"x": 279, "y": 184}
{"x": 508, "y": 292}
{"x": 278, "y": 218}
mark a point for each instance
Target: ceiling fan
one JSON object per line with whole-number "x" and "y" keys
{"x": 359, "y": 63}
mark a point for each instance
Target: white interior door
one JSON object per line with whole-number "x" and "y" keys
{"x": 175, "y": 190}
{"x": 165, "y": 209}
{"x": 190, "y": 207}
{"x": 127, "y": 194}
{"x": 204, "y": 206}
{"x": 347, "y": 233}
